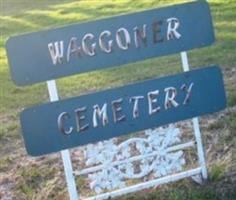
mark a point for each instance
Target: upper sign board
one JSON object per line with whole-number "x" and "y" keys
{"x": 103, "y": 115}
{"x": 119, "y": 40}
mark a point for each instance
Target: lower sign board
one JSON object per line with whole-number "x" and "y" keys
{"x": 102, "y": 115}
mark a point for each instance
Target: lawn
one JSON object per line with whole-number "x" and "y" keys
{"x": 22, "y": 16}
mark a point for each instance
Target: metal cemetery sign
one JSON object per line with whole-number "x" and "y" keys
{"x": 51, "y": 54}
{"x": 103, "y": 115}
{"x": 157, "y": 155}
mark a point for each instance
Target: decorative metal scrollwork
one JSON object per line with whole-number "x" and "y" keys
{"x": 153, "y": 155}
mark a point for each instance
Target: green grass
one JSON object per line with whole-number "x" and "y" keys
{"x": 217, "y": 172}
{"x": 5, "y": 162}
{"x": 21, "y": 16}
{"x": 229, "y": 123}
{"x": 13, "y": 7}
{"x": 185, "y": 190}
{"x": 33, "y": 178}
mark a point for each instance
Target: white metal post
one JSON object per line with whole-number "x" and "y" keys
{"x": 196, "y": 127}
{"x": 65, "y": 154}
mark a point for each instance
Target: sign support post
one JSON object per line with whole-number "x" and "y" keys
{"x": 196, "y": 127}
{"x": 65, "y": 154}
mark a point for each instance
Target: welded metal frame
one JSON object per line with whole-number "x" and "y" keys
{"x": 198, "y": 174}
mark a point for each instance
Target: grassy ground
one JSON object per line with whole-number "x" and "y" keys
{"x": 26, "y": 178}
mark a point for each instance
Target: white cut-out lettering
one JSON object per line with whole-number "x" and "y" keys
{"x": 56, "y": 51}
{"x": 140, "y": 35}
{"x": 101, "y": 113}
{"x": 136, "y": 99}
{"x": 88, "y": 51}
{"x": 106, "y": 48}
{"x": 170, "y": 101}
{"x": 151, "y": 100}
{"x": 126, "y": 41}
{"x": 173, "y": 25}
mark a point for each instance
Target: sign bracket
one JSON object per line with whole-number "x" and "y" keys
{"x": 65, "y": 154}
{"x": 196, "y": 127}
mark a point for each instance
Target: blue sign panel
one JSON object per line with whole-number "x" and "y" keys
{"x": 85, "y": 119}
{"x": 78, "y": 48}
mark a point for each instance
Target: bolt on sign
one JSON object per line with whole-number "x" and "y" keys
{"x": 103, "y": 115}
